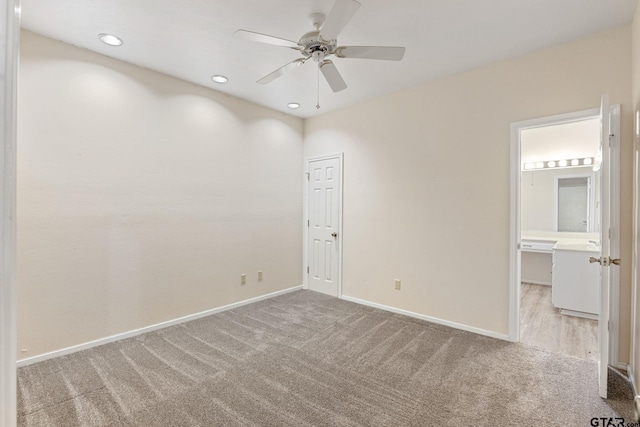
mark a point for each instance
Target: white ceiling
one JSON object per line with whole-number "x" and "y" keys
{"x": 193, "y": 39}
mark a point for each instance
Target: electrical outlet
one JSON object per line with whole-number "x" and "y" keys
{"x": 398, "y": 284}
{"x": 260, "y": 276}
{"x": 243, "y": 279}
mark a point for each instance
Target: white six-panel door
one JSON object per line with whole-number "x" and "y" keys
{"x": 323, "y": 251}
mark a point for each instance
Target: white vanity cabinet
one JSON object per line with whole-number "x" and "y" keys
{"x": 575, "y": 281}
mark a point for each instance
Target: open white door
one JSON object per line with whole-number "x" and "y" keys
{"x": 605, "y": 247}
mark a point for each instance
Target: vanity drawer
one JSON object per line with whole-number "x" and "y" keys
{"x": 537, "y": 246}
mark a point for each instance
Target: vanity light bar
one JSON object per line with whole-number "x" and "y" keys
{"x": 555, "y": 164}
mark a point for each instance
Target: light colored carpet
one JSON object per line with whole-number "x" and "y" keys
{"x": 305, "y": 359}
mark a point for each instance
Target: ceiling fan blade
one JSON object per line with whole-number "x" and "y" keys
{"x": 330, "y": 72}
{"x": 338, "y": 18}
{"x": 263, "y": 38}
{"x": 371, "y": 52}
{"x": 281, "y": 71}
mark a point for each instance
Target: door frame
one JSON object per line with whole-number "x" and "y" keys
{"x": 305, "y": 218}
{"x": 635, "y": 260}
{"x": 514, "y": 220}
{"x": 10, "y": 17}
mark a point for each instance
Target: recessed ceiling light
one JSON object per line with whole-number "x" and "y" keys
{"x": 293, "y": 105}
{"x": 110, "y": 39}
{"x": 219, "y": 79}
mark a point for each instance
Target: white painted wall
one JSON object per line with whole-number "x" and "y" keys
{"x": 426, "y": 178}
{"x": 535, "y": 268}
{"x": 538, "y": 197}
{"x": 143, "y": 198}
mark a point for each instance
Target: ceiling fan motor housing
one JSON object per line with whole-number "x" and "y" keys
{"x": 312, "y": 44}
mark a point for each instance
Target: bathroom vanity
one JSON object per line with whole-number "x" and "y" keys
{"x": 562, "y": 261}
{"x": 575, "y": 280}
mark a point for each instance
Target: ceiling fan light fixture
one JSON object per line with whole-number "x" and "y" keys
{"x": 110, "y": 39}
{"x": 293, "y": 105}
{"x": 218, "y": 78}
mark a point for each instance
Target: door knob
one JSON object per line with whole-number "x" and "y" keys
{"x": 605, "y": 261}
{"x": 334, "y": 234}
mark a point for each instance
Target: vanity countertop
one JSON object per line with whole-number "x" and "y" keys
{"x": 579, "y": 245}
{"x": 536, "y": 241}
{"x": 554, "y": 236}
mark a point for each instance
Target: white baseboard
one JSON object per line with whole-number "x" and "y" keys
{"x": 636, "y": 396}
{"x": 622, "y": 366}
{"x": 135, "y": 332}
{"x": 455, "y": 325}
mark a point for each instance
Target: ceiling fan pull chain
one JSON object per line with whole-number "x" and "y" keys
{"x": 318, "y": 103}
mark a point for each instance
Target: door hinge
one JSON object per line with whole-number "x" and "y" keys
{"x": 307, "y": 173}
{"x": 308, "y": 223}
{"x": 307, "y": 269}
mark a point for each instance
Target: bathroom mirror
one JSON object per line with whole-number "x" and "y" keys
{"x": 560, "y": 200}
{"x": 574, "y": 210}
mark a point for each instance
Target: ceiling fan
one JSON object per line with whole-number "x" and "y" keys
{"x": 321, "y": 43}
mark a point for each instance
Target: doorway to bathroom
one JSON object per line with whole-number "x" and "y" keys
{"x": 559, "y": 195}
{"x": 564, "y": 198}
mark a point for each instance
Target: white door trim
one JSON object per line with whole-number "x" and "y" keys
{"x": 305, "y": 218}
{"x": 514, "y": 219}
{"x": 10, "y": 18}
{"x": 635, "y": 260}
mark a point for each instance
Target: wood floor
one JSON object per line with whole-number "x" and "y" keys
{"x": 542, "y": 325}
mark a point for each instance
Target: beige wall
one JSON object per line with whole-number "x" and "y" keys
{"x": 138, "y": 192}
{"x": 426, "y": 190}
{"x": 142, "y": 198}
{"x": 635, "y": 260}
